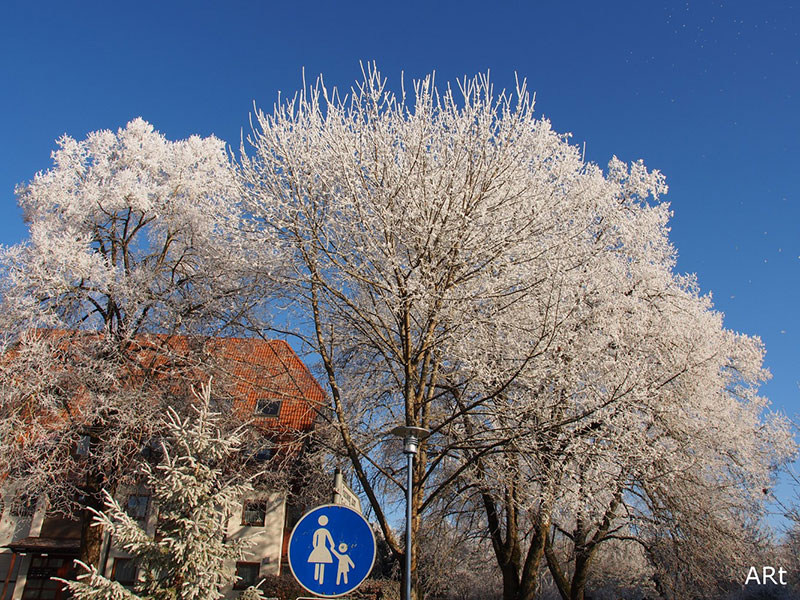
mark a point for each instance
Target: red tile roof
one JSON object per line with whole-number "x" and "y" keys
{"x": 247, "y": 368}
{"x": 270, "y": 369}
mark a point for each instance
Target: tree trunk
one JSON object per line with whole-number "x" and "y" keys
{"x": 91, "y": 540}
{"x": 530, "y": 570}
{"x": 560, "y": 579}
{"x": 585, "y": 551}
{"x": 581, "y": 574}
{"x": 519, "y": 579}
{"x": 416, "y": 593}
{"x": 91, "y": 536}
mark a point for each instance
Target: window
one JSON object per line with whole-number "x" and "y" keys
{"x": 82, "y": 447}
{"x": 153, "y": 450}
{"x": 136, "y": 506}
{"x": 247, "y": 573}
{"x": 124, "y": 571}
{"x": 25, "y": 506}
{"x": 40, "y": 586}
{"x": 254, "y": 513}
{"x": 264, "y": 453}
{"x": 268, "y": 407}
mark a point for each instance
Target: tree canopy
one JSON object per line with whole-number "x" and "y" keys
{"x": 454, "y": 264}
{"x": 458, "y": 266}
{"x": 129, "y": 235}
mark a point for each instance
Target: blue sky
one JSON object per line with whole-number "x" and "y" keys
{"x": 708, "y": 93}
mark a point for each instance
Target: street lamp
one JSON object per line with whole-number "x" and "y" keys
{"x": 411, "y": 438}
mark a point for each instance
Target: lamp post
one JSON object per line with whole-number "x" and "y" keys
{"x": 411, "y": 438}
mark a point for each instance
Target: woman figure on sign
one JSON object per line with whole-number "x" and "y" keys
{"x": 320, "y": 555}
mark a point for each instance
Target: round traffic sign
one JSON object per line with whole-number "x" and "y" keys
{"x": 331, "y": 550}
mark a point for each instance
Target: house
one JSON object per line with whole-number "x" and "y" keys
{"x": 265, "y": 383}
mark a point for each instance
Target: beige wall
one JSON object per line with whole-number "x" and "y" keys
{"x": 266, "y": 549}
{"x": 268, "y": 540}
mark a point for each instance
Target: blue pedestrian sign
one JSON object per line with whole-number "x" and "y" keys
{"x": 331, "y": 550}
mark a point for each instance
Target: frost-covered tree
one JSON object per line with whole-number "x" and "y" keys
{"x": 457, "y": 266}
{"x": 646, "y": 395}
{"x": 193, "y": 493}
{"x": 416, "y": 230}
{"x": 514, "y": 444}
{"x": 129, "y": 235}
{"x": 681, "y": 462}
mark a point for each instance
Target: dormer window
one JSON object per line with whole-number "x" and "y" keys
{"x": 246, "y": 575}
{"x": 268, "y": 407}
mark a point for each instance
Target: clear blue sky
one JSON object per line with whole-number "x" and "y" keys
{"x": 706, "y": 92}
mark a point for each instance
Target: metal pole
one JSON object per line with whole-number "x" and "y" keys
{"x": 411, "y": 436}
{"x": 410, "y": 456}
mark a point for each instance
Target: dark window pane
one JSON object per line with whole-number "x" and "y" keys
{"x": 222, "y": 405}
{"x": 82, "y": 447}
{"x": 137, "y": 507}
{"x": 247, "y": 573}
{"x": 124, "y": 571}
{"x": 265, "y": 453}
{"x": 24, "y": 506}
{"x": 254, "y": 513}
{"x": 268, "y": 407}
{"x": 153, "y": 449}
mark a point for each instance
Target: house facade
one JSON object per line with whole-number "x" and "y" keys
{"x": 266, "y": 385}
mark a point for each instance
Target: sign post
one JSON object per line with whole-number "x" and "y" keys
{"x": 331, "y": 550}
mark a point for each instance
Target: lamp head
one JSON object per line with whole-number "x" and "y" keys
{"x": 411, "y": 437}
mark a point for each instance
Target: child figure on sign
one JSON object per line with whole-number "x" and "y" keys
{"x": 345, "y": 564}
